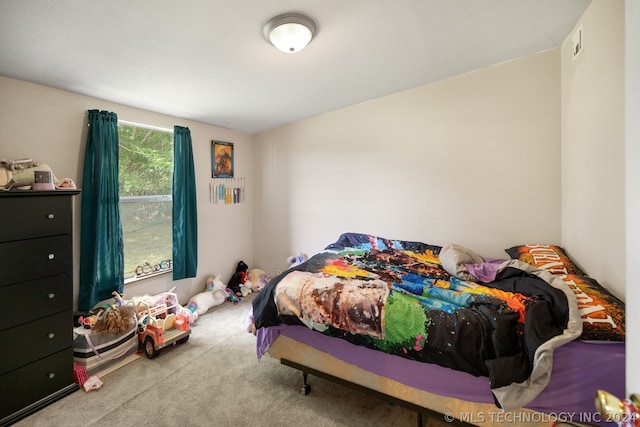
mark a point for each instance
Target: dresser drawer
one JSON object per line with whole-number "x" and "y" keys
{"x": 35, "y": 340}
{"x": 35, "y": 258}
{"x": 35, "y": 381}
{"x": 29, "y": 217}
{"x": 32, "y": 300}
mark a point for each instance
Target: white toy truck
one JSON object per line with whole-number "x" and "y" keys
{"x": 161, "y": 324}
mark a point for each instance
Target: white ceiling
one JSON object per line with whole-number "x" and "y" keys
{"x": 207, "y": 60}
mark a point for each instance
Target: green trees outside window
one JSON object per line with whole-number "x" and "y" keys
{"x": 145, "y": 184}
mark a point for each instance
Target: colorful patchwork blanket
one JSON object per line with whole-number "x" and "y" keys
{"x": 395, "y": 296}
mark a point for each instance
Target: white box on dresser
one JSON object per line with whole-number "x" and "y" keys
{"x": 36, "y": 291}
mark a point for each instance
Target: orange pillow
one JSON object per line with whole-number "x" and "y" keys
{"x": 602, "y": 313}
{"x": 603, "y": 317}
{"x": 547, "y": 257}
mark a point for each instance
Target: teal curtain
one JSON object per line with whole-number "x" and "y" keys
{"x": 185, "y": 215}
{"x": 101, "y": 242}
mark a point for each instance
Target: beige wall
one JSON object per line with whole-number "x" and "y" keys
{"x": 632, "y": 193}
{"x": 600, "y": 132}
{"x": 49, "y": 125}
{"x": 593, "y": 177}
{"x": 474, "y": 160}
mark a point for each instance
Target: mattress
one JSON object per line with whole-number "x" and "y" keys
{"x": 579, "y": 370}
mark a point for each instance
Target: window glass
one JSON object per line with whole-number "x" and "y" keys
{"x": 146, "y": 174}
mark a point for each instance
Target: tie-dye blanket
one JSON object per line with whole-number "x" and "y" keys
{"x": 394, "y": 296}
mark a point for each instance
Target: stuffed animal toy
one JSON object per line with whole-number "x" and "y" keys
{"x": 215, "y": 293}
{"x": 239, "y": 278}
{"x": 295, "y": 260}
{"x": 192, "y": 316}
{"x": 232, "y": 297}
{"x": 116, "y": 319}
{"x": 218, "y": 289}
{"x": 258, "y": 279}
{"x": 246, "y": 287}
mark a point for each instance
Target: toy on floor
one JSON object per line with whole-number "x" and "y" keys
{"x": 258, "y": 279}
{"x": 295, "y": 260}
{"x": 115, "y": 319}
{"x": 215, "y": 293}
{"x": 90, "y": 320}
{"x": 190, "y": 316}
{"x": 232, "y": 297}
{"x": 625, "y": 412}
{"x": 92, "y": 383}
{"x": 239, "y": 282}
{"x": 79, "y": 374}
{"x": 162, "y": 324}
{"x": 168, "y": 299}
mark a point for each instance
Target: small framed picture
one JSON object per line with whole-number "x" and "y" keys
{"x": 221, "y": 159}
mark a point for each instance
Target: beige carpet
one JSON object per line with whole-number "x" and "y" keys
{"x": 215, "y": 379}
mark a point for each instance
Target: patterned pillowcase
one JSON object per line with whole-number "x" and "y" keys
{"x": 547, "y": 257}
{"x": 602, "y": 313}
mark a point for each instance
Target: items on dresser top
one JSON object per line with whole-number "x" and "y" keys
{"x": 27, "y": 174}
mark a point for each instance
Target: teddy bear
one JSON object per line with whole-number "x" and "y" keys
{"x": 239, "y": 282}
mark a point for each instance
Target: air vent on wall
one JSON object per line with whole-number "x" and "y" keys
{"x": 577, "y": 43}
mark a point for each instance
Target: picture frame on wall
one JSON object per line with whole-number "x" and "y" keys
{"x": 221, "y": 159}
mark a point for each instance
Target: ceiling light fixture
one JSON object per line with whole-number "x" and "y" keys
{"x": 290, "y": 32}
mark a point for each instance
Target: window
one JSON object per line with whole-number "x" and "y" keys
{"x": 145, "y": 174}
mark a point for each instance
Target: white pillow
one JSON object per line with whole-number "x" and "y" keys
{"x": 453, "y": 259}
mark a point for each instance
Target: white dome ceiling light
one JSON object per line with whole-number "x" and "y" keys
{"x": 290, "y": 32}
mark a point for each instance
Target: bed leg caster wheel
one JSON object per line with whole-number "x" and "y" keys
{"x": 306, "y": 388}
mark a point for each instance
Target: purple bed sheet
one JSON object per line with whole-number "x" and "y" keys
{"x": 579, "y": 370}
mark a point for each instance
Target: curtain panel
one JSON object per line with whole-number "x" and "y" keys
{"x": 185, "y": 215}
{"x": 101, "y": 240}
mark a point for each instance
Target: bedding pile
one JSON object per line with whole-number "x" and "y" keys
{"x": 491, "y": 318}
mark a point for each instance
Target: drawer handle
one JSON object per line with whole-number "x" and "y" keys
{"x": 51, "y": 375}
{"x": 51, "y": 335}
{"x": 52, "y": 295}
{"x": 51, "y": 216}
{"x": 52, "y": 256}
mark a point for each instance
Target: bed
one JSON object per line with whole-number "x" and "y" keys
{"x": 447, "y": 333}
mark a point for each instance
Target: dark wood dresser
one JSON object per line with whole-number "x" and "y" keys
{"x": 36, "y": 292}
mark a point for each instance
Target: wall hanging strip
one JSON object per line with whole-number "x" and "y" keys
{"x": 228, "y": 191}
{"x": 214, "y": 191}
